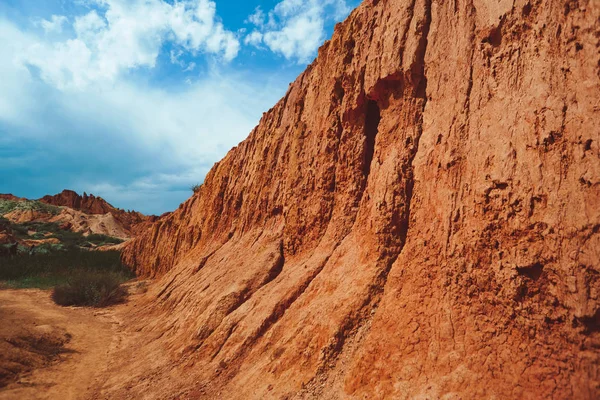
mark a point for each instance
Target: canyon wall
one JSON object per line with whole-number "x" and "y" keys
{"x": 418, "y": 217}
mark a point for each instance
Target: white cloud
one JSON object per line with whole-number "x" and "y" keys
{"x": 87, "y": 27}
{"x": 295, "y": 28}
{"x": 175, "y": 57}
{"x": 190, "y": 67}
{"x": 54, "y": 25}
{"x": 175, "y": 54}
{"x": 254, "y": 39}
{"x": 258, "y": 18}
{"x": 75, "y": 111}
{"x": 195, "y": 26}
{"x": 134, "y": 137}
{"x": 127, "y": 35}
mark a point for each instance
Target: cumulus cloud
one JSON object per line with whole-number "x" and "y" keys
{"x": 258, "y": 18}
{"x": 53, "y": 25}
{"x": 295, "y": 28}
{"x": 91, "y": 100}
{"x": 138, "y": 145}
{"x": 126, "y": 34}
{"x": 255, "y": 39}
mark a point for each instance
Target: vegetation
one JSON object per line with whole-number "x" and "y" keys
{"x": 90, "y": 289}
{"x": 79, "y": 276}
{"x": 7, "y": 206}
{"x": 56, "y": 268}
{"x": 196, "y": 188}
{"x": 52, "y": 230}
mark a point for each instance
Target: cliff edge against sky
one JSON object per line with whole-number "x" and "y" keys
{"x": 418, "y": 217}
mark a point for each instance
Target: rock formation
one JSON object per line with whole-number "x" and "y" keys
{"x": 132, "y": 221}
{"x": 418, "y": 217}
{"x": 9, "y": 197}
{"x": 88, "y": 204}
{"x": 66, "y": 211}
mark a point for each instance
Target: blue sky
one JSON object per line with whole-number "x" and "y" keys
{"x": 135, "y": 100}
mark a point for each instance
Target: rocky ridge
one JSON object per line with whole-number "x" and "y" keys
{"x": 132, "y": 221}
{"x": 31, "y": 223}
{"x": 418, "y": 217}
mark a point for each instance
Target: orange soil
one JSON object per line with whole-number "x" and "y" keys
{"x": 58, "y": 352}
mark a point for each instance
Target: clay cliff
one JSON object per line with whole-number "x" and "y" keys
{"x": 132, "y": 221}
{"x": 418, "y": 217}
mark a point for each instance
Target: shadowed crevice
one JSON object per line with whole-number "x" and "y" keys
{"x": 384, "y": 90}
{"x": 372, "y": 119}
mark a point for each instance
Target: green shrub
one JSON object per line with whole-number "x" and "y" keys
{"x": 90, "y": 289}
{"x": 20, "y": 230}
{"x": 66, "y": 237}
{"x": 47, "y": 266}
{"x": 196, "y": 188}
{"x": 7, "y": 206}
{"x": 41, "y": 228}
{"x": 103, "y": 239}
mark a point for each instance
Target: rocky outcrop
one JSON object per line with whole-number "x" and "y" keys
{"x": 30, "y": 217}
{"x": 132, "y": 221}
{"x": 418, "y": 217}
{"x": 87, "y": 204}
{"x": 103, "y": 224}
{"x": 9, "y": 197}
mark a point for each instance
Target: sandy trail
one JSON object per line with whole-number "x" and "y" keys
{"x": 91, "y": 336}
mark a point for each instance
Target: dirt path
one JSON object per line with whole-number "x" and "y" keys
{"x": 66, "y": 349}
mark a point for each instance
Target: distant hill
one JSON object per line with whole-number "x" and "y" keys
{"x": 131, "y": 221}
{"x": 65, "y": 219}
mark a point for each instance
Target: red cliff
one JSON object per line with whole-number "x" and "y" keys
{"x": 418, "y": 217}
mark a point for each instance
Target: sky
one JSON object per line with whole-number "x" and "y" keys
{"x": 135, "y": 100}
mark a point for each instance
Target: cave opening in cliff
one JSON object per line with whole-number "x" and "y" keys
{"x": 372, "y": 119}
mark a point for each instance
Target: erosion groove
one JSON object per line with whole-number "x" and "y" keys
{"x": 359, "y": 318}
{"x": 416, "y": 218}
{"x": 372, "y": 119}
{"x": 281, "y": 307}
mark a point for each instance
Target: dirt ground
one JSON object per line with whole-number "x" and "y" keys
{"x": 53, "y": 352}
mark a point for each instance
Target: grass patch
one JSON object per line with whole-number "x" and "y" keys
{"x": 55, "y": 268}
{"x": 90, "y": 289}
{"x": 21, "y": 230}
{"x": 52, "y": 230}
{"x": 7, "y": 206}
{"x": 79, "y": 277}
{"x": 69, "y": 238}
{"x": 101, "y": 240}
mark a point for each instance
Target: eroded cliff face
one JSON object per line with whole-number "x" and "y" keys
{"x": 418, "y": 217}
